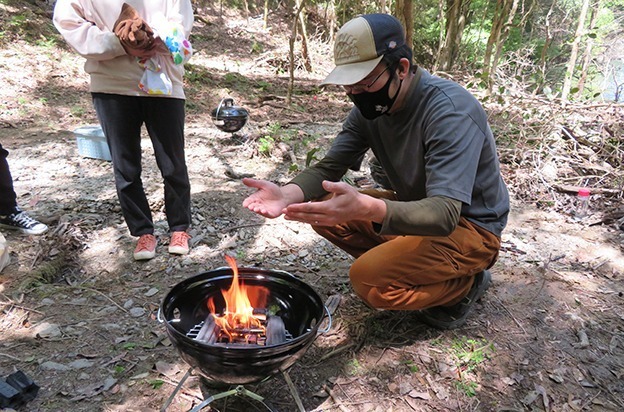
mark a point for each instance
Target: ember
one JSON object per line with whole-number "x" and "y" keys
{"x": 244, "y": 320}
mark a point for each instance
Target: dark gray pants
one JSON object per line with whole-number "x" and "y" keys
{"x": 121, "y": 118}
{"x": 8, "y": 202}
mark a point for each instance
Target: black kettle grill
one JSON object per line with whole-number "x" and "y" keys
{"x": 229, "y": 118}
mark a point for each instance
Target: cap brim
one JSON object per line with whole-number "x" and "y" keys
{"x": 351, "y": 73}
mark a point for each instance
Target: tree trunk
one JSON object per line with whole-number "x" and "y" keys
{"x": 544, "y": 52}
{"x": 455, "y": 22}
{"x": 501, "y": 14}
{"x": 438, "y": 56}
{"x": 291, "y": 51}
{"x": 501, "y": 42}
{"x": 404, "y": 13}
{"x": 307, "y": 62}
{"x": 588, "y": 49}
{"x": 330, "y": 18}
{"x": 580, "y": 28}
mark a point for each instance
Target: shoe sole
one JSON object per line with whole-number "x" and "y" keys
{"x": 144, "y": 255}
{"x": 177, "y": 250}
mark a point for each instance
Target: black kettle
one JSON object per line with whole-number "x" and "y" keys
{"x": 228, "y": 117}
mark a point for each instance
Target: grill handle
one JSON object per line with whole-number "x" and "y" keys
{"x": 158, "y": 317}
{"x": 329, "y": 321}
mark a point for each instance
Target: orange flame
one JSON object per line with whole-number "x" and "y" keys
{"x": 238, "y": 318}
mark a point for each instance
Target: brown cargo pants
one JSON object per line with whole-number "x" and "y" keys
{"x": 413, "y": 272}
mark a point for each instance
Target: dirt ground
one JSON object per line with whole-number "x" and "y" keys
{"x": 78, "y": 315}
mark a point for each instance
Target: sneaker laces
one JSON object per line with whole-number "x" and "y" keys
{"x": 144, "y": 243}
{"x": 179, "y": 239}
{"x": 23, "y": 219}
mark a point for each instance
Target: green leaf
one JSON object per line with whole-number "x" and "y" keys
{"x": 156, "y": 383}
{"x": 310, "y": 156}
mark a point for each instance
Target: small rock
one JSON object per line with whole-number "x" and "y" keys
{"x": 107, "y": 310}
{"x": 405, "y": 388}
{"x": 128, "y": 304}
{"x": 137, "y": 312}
{"x": 151, "y": 292}
{"x": 80, "y": 364}
{"x": 47, "y": 330}
{"x": 46, "y": 302}
{"x": 109, "y": 383}
{"x": 54, "y": 366}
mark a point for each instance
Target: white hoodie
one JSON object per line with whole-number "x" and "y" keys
{"x": 87, "y": 26}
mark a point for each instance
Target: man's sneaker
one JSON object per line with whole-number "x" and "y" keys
{"x": 450, "y": 317}
{"x": 145, "y": 248}
{"x": 22, "y": 222}
{"x": 179, "y": 245}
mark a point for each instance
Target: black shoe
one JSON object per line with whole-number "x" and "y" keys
{"x": 21, "y": 221}
{"x": 378, "y": 174}
{"x": 450, "y": 317}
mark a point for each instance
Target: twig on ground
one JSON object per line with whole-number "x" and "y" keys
{"x": 509, "y": 313}
{"x": 335, "y": 352}
{"x": 100, "y": 293}
{"x": 10, "y": 357}
{"x": 333, "y": 397}
{"x": 21, "y": 307}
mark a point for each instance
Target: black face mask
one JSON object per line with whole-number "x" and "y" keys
{"x": 374, "y": 104}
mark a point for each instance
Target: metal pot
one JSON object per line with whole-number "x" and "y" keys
{"x": 184, "y": 307}
{"x": 228, "y": 117}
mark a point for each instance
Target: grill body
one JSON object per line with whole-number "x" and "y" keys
{"x": 296, "y": 303}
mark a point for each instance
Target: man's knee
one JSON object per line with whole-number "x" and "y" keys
{"x": 368, "y": 279}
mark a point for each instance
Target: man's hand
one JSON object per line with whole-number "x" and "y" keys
{"x": 269, "y": 200}
{"x": 345, "y": 204}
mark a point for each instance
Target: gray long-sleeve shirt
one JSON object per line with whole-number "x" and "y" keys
{"x": 438, "y": 145}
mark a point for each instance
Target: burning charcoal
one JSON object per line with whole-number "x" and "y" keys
{"x": 275, "y": 331}
{"x": 209, "y": 331}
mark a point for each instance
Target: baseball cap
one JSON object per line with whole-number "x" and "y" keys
{"x": 361, "y": 44}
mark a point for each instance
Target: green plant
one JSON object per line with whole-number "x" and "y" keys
{"x": 263, "y": 85}
{"x": 310, "y": 156}
{"x": 470, "y": 352}
{"x": 265, "y": 145}
{"x": 77, "y": 111}
{"x": 468, "y": 388}
{"x": 256, "y": 48}
{"x": 353, "y": 367}
{"x": 412, "y": 366}
{"x": 156, "y": 383}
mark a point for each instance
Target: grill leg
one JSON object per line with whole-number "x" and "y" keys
{"x": 176, "y": 390}
{"x": 293, "y": 391}
{"x": 239, "y": 391}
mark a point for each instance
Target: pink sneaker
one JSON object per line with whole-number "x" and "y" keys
{"x": 145, "y": 248}
{"x": 178, "y": 245}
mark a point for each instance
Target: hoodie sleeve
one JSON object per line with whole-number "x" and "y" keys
{"x": 85, "y": 31}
